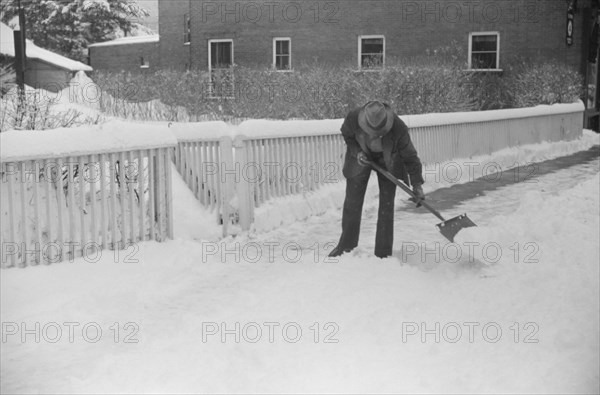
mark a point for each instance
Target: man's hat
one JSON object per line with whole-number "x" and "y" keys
{"x": 376, "y": 118}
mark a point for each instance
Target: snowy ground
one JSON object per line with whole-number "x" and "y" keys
{"x": 256, "y": 314}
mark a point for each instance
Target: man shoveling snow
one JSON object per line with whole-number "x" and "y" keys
{"x": 377, "y": 138}
{"x": 374, "y": 133}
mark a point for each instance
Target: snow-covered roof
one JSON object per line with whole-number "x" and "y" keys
{"x": 128, "y": 40}
{"x": 7, "y": 47}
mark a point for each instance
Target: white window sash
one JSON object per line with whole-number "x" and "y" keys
{"x": 471, "y": 52}
{"x": 275, "y": 40}
{"x": 360, "y": 52}
{"x": 223, "y": 40}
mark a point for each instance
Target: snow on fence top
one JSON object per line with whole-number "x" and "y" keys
{"x": 254, "y": 129}
{"x": 194, "y": 131}
{"x": 258, "y": 129}
{"x": 437, "y": 119}
{"x": 261, "y": 129}
{"x": 114, "y": 136}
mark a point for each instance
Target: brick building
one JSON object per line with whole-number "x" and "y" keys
{"x": 212, "y": 35}
{"x": 131, "y": 54}
{"x": 283, "y": 34}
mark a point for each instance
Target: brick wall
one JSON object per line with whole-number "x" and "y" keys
{"x": 328, "y": 31}
{"x": 173, "y": 53}
{"x": 124, "y": 57}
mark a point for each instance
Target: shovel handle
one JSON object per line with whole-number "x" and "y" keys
{"x": 406, "y": 189}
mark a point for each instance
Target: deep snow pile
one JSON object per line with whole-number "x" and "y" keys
{"x": 267, "y": 312}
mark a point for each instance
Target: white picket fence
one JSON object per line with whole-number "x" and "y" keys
{"x": 57, "y": 207}
{"x": 442, "y": 137}
{"x": 271, "y": 159}
{"x": 197, "y": 162}
{"x": 277, "y": 167}
{"x": 233, "y": 169}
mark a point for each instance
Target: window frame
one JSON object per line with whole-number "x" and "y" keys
{"x": 187, "y": 29}
{"x": 220, "y": 40}
{"x": 360, "y": 53}
{"x": 274, "y": 65}
{"x": 210, "y": 69}
{"x": 470, "y": 51}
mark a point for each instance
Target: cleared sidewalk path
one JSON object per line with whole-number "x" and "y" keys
{"x": 448, "y": 198}
{"x": 481, "y": 199}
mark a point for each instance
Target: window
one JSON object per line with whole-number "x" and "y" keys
{"x": 371, "y": 52}
{"x": 282, "y": 54}
{"x": 220, "y": 54}
{"x": 144, "y": 63}
{"x": 484, "y": 51}
{"x": 187, "y": 29}
{"x": 220, "y": 67}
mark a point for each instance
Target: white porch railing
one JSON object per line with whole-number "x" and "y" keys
{"x": 62, "y": 200}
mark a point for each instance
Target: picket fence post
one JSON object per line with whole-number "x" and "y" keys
{"x": 244, "y": 196}
{"x": 227, "y": 188}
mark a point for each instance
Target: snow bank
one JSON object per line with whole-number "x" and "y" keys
{"x": 86, "y": 97}
{"x": 192, "y": 220}
{"x": 82, "y": 92}
{"x": 286, "y": 210}
{"x": 543, "y": 220}
{"x": 75, "y": 105}
{"x": 109, "y": 137}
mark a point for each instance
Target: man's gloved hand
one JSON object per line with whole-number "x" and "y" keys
{"x": 418, "y": 191}
{"x": 362, "y": 159}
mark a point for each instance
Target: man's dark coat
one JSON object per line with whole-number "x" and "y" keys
{"x": 399, "y": 154}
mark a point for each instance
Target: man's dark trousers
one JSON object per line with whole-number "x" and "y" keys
{"x": 353, "y": 204}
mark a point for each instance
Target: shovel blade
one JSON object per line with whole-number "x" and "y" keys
{"x": 450, "y": 227}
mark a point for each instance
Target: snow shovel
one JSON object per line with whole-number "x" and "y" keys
{"x": 448, "y": 227}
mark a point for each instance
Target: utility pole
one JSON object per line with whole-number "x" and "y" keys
{"x": 20, "y": 50}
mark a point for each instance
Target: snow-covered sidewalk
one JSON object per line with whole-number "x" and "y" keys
{"x": 257, "y": 314}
